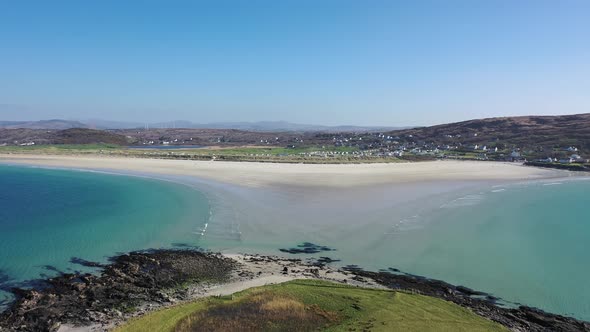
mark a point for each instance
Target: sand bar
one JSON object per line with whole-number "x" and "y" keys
{"x": 309, "y": 175}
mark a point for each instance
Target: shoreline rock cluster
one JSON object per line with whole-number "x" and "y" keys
{"x": 139, "y": 282}
{"x": 129, "y": 281}
{"x": 522, "y": 318}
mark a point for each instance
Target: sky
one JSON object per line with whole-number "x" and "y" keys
{"x": 365, "y": 62}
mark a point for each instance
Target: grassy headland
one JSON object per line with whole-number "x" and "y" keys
{"x": 309, "y": 305}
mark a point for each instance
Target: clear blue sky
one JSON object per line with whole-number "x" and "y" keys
{"x": 319, "y": 61}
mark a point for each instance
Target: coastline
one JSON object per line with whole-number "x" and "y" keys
{"x": 52, "y": 308}
{"x": 252, "y": 174}
{"x": 302, "y": 177}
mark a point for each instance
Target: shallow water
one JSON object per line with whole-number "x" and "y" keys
{"x": 524, "y": 242}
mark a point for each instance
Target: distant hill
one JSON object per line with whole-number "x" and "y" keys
{"x": 533, "y": 136}
{"x": 538, "y": 134}
{"x": 262, "y": 126}
{"x": 282, "y": 126}
{"x": 24, "y": 136}
{"x": 43, "y": 124}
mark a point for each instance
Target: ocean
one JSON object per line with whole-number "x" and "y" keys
{"x": 48, "y": 217}
{"x": 525, "y": 242}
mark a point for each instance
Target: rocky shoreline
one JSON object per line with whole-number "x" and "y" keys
{"x": 131, "y": 280}
{"x": 522, "y": 318}
{"x": 139, "y": 282}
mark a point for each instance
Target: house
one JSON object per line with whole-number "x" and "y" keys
{"x": 515, "y": 156}
{"x": 572, "y": 149}
{"x": 576, "y": 157}
{"x": 566, "y": 161}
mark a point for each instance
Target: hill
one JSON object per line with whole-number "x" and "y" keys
{"x": 309, "y": 305}
{"x": 260, "y": 126}
{"x": 565, "y": 138}
{"x": 43, "y": 124}
{"x": 534, "y": 136}
{"x": 29, "y": 137}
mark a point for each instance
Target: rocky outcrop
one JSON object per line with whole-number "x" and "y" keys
{"x": 522, "y": 318}
{"x": 131, "y": 279}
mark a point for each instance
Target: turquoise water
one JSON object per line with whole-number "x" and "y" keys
{"x": 49, "y": 216}
{"x": 526, "y": 243}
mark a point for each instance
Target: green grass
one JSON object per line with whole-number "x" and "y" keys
{"x": 255, "y": 154}
{"x": 238, "y": 151}
{"x": 273, "y": 151}
{"x": 349, "y": 308}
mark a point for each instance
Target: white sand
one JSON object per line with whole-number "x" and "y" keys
{"x": 322, "y": 175}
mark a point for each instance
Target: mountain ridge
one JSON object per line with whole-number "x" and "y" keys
{"x": 262, "y": 126}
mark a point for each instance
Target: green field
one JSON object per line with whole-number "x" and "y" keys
{"x": 237, "y": 151}
{"x": 307, "y": 305}
{"x": 307, "y": 154}
{"x": 274, "y": 151}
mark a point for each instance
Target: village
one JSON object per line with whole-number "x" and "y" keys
{"x": 367, "y": 146}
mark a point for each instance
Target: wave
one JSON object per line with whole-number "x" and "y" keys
{"x": 468, "y": 200}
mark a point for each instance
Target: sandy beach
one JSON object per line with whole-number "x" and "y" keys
{"x": 307, "y": 175}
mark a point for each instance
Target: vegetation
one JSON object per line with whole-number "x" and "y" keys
{"x": 534, "y": 136}
{"x": 27, "y": 137}
{"x": 500, "y": 139}
{"x": 570, "y": 167}
{"x": 312, "y": 305}
{"x": 60, "y": 148}
{"x": 308, "y": 154}
{"x": 276, "y": 151}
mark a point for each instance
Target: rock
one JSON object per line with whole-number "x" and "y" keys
{"x": 129, "y": 281}
{"x": 519, "y": 319}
